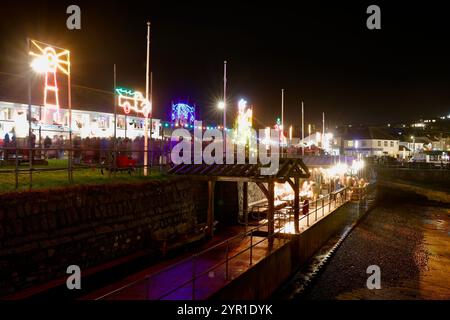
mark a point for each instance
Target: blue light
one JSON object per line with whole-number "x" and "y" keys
{"x": 183, "y": 114}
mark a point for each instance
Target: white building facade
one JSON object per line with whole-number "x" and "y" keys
{"x": 369, "y": 142}
{"x": 371, "y": 147}
{"x": 14, "y": 120}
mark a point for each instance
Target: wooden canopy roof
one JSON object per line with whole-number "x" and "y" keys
{"x": 288, "y": 168}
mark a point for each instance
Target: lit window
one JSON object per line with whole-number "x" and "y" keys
{"x": 350, "y": 143}
{"x": 6, "y": 114}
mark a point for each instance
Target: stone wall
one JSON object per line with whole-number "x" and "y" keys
{"x": 254, "y": 195}
{"x": 43, "y": 232}
{"x": 226, "y": 203}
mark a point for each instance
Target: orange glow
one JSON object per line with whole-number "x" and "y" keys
{"x": 49, "y": 60}
{"x": 283, "y": 191}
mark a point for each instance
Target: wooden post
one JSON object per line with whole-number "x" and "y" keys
{"x": 271, "y": 211}
{"x": 296, "y": 204}
{"x": 245, "y": 202}
{"x": 210, "y": 218}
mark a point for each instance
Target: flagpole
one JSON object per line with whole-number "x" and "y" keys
{"x": 147, "y": 97}
{"x": 114, "y": 158}
{"x": 224, "y": 106}
{"x": 282, "y": 109}
{"x": 151, "y": 118}
{"x": 323, "y": 129}
{"x": 303, "y": 130}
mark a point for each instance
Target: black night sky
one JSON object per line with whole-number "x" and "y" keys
{"x": 321, "y": 53}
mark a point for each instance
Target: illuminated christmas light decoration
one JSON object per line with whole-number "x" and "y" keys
{"x": 49, "y": 60}
{"x": 267, "y": 141}
{"x": 183, "y": 114}
{"x": 328, "y": 142}
{"x": 243, "y": 130}
{"x": 279, "y": 127}
{"x": 357, "y": 165}
{"x": 131, "y": 100}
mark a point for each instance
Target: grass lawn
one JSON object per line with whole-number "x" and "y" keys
{"x": 51, "y": 179}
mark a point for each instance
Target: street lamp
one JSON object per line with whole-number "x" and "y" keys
{"x": 221, "y": 106}
{"x": 242, "y": 104}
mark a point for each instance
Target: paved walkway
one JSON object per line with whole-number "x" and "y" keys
{"x": 173, "y": 280}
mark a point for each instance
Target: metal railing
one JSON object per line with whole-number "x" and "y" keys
{"x": 20, "y": 161}
{"x": 444, "y": 165}
{"x": 331, "y": 201}
{"x": 215, "y": 262}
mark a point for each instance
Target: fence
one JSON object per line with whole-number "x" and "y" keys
{"x": 18, "y": 162}
{"x": 436, "y": 165}
{"x": 201, "y": 274}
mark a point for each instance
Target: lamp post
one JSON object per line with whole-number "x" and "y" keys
{"x": 414, "y": 144}
{"x": 29, "y": 120}
{"x": 69, "y": 93}
{"x": 223, "y": 105}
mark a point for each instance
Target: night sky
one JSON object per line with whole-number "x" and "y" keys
{"x": 321, "y": 53}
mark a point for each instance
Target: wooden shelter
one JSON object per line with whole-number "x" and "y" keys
{"x": 290, "y": 170}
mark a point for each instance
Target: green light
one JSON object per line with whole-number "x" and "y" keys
{"x": 124, "y": 91}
